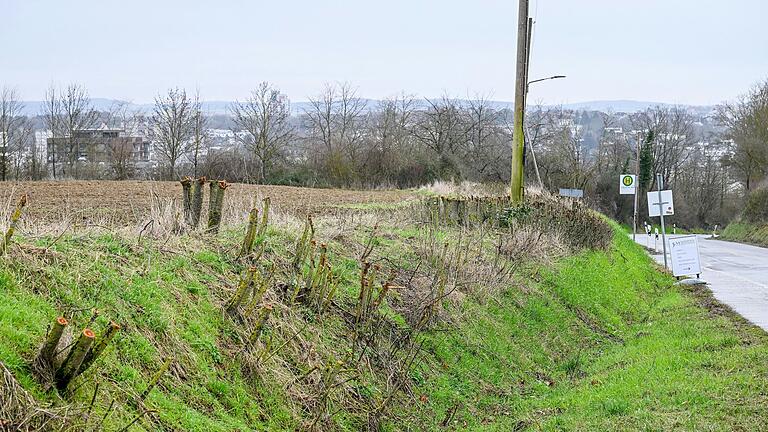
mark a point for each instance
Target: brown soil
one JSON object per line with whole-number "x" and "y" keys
{"x": 130, "y": 201}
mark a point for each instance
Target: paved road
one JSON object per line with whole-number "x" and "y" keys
{"x": 736, "y": 273}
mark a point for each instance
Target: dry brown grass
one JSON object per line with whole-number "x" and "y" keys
{"x": 147, "y": 208}
{"x": 465, "y": 188}
{"x": 127, "y": 202}
{"x": 20, "y": 412}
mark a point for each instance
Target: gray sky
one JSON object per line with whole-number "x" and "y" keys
{"x": 679, "y": 51}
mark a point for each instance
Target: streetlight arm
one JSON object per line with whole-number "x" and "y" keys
{"x": 547, "y": 78}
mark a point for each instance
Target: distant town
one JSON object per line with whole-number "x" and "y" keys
{"x": 340, "y": 139}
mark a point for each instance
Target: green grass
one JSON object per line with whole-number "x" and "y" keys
{"x": 598, "y": 341}
{"x": 604, "y": 343}
{"x": 746, "y": 232}
{"x": 167, "y": 310}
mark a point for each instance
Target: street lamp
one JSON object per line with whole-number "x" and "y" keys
{"x": 544, "y": 79}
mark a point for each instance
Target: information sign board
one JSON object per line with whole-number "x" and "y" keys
{"x": 684, "y": 252}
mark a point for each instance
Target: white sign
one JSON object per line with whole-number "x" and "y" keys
{"x": 666, "y": 200}
{"x": 685, "y": 255}
{"x": 573, "y": 193}
{"x": 627, "y": 184}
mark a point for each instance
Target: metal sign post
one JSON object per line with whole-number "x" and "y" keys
{"x": 628, "y": 186}
{"x": 661, "y": 215}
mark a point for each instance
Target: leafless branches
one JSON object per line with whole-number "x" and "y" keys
{"x": 200, "y": 136}
{"x": 335, "y": 125}
{"x": 121, "y": 151}
{"x": 11, "y": 127}
{"x": 173, "y": 125}
{"x": 76, "y": 114}
{"x": 440, "y": 128}
{"x": 673, "y": 134}
{"x": 747, "y": 123}
{"x": 263, "y": 125}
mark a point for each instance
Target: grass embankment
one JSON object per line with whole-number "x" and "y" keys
{"x": 602, "y": 342}
{"x": 746, "y": 232}
{"x": 594, "y": 341}
{"x": 752, "y": 225}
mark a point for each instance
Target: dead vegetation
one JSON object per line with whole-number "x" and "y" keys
{"x": 20, "y": 412}
{"x": 296, "y": 314}
{"x": 124, "y": 203}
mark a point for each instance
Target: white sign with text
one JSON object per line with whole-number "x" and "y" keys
{"x": 684, "y": 252}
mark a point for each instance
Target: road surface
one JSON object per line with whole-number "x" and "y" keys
{"x": 736, "y": 273}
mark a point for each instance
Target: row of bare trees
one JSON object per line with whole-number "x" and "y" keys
{"x": 699, "y": 167}
{"x": 338, "y": 139}
{"x": 66, "y": 111}
{"x": 403, "y": 141}
{"x": 341, "y": 139}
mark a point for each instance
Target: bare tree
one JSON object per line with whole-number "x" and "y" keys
{"x": 569, "y": 148}
{"x": 200, "y": 136}
{"x": 539, "y": 135}
{"x": 703, "y": 186}
{"x": 441, "y": 129}
{"x": 562, "y": 155}
{"x": 23, "y": 149}
{"x": 77, "y": 114}
{"x": 10, "y": 120}
{"x": 485, "y": 141}
{"x": 120, "y": 152}
{"x": 613, "y": 147}
{"x": 389, "y": 147}
{"x": 36, "y": 165}
{"x": 263, "y": 125}
{"x": 52, "y": 120}
{"x": 120, "y": 158}
{"x": 747, "y": 123}
{"x": 122, "y": 115}
{"x": 173, "y": 126}
{"x": 673, "y": 135}
{"x": 335, "y": 122}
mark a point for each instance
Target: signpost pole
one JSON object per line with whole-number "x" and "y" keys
{"x": 661, "y": 216}
{"x": 634, "y": 217}
{"x": 637, "y": 172}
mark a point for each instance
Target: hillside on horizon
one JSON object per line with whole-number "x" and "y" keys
{"x": 35, "y": 107}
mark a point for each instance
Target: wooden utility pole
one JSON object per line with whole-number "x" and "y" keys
{"x": 528, "y": 33}
{"x": 516, "y": 180}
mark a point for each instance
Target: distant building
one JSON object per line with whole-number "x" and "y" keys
{"x": 99, "y": 146}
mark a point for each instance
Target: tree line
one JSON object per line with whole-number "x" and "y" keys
{"x": 712, "y": 170}
{"x": 342, "y": 140}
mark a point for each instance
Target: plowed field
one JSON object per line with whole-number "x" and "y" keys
{"x": 130, "y": 201}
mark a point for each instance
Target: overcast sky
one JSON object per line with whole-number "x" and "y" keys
{"x": 679, "y": 51}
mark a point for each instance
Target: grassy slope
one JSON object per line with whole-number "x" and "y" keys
{"x": 168, "y": 311}
{"x": 646, "y": 356}
{"x": 601, "y": 341}
{"x": 746, "y": 232}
